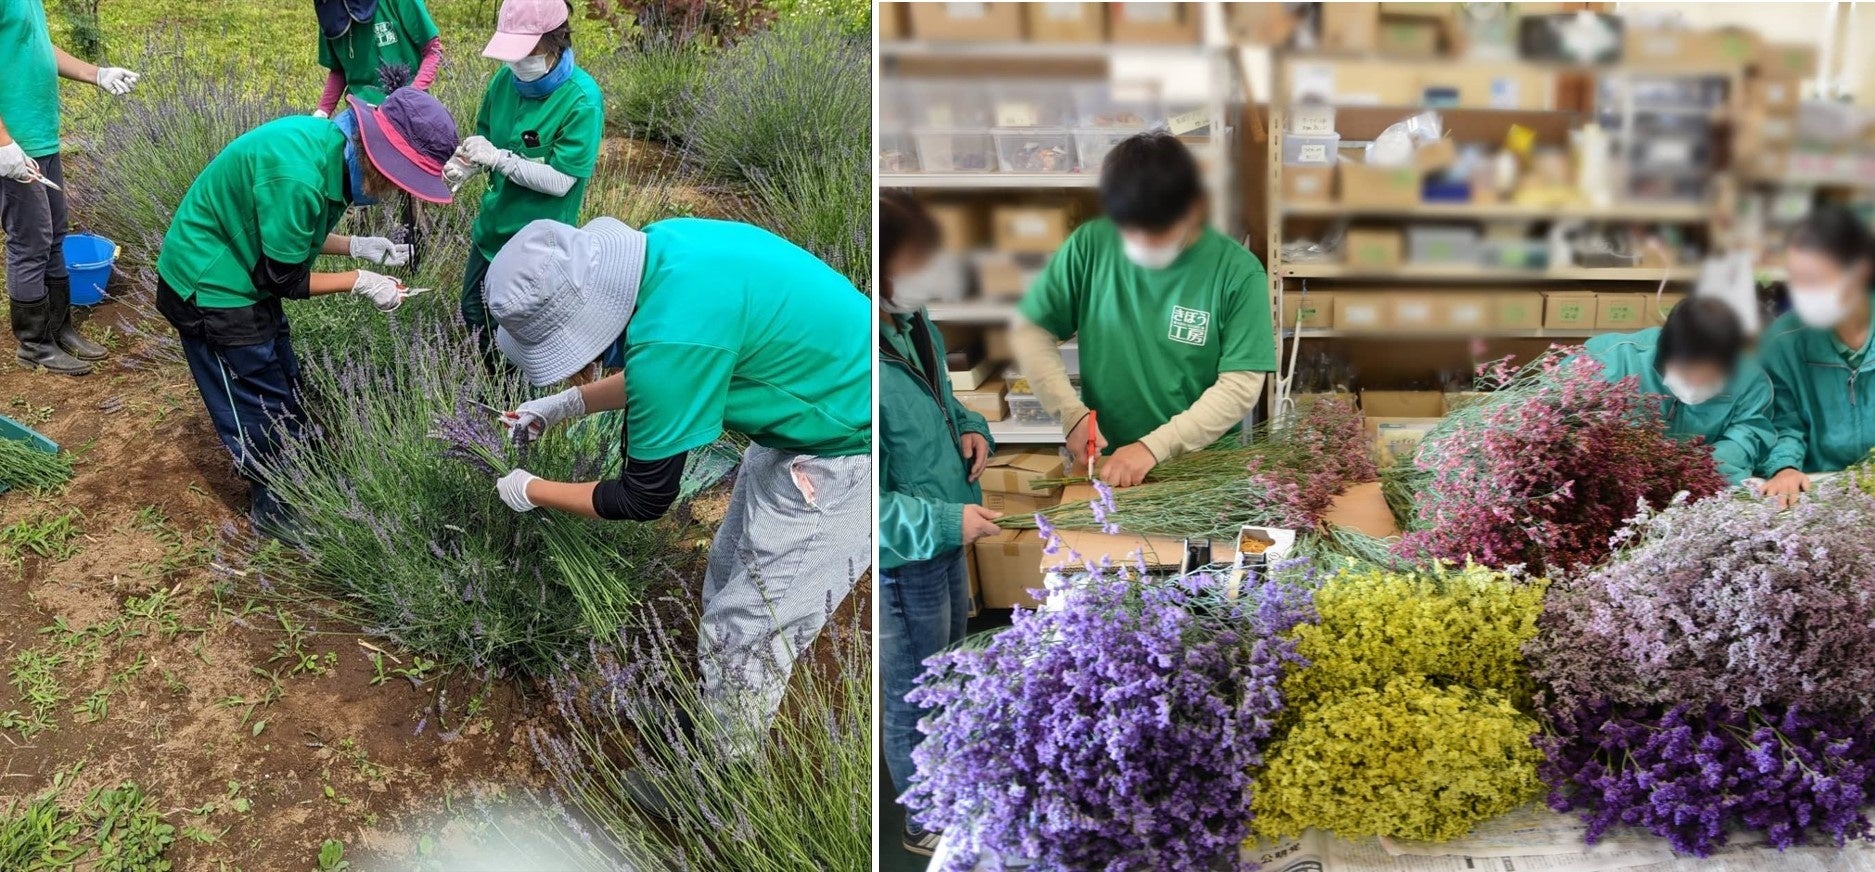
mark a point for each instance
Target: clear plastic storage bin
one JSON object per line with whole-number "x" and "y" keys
{"x": 956, "y": 151}
{"x": 898, "y": 152}
{"x": 1095, "y": 107}
{"x": 1035, "y": 151}
{"x": 1030, "y": 105}
{"x": 1091, "y": 145}
{"x": 946, "y": 104}
{"x": 1302, "y": 150}
{"x": 1026, "y": 409}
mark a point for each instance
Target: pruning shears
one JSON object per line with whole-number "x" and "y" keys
{"x": 520, "y": 434}
{"x": 36, "y": 177}
{"x": 1093, "y": 439}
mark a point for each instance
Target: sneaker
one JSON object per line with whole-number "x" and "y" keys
{"x": 924, "y": 843}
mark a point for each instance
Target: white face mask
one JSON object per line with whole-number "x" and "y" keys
{"x": 530, "y": 68}
{"x": 1819, "y": 307}
{"x": 912, "y": 292}
{"x": 1687, "y": 393}
{"x": 1152, "y": 256}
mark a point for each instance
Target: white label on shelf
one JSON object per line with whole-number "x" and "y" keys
{"x": 1149, "y": 13}
{"x": 1312, "y": 120}
{"x": 1360, "y": 315}
{"x": 1031, "y": 225}
{"x": 1062, "y": 11}
{"x": 1312, "y": 82}
{"x": 1670, "y": 151}
{"x": 1017, "y": 113}
{"x": 1414, "y": 313}
{"x": 1504, "y": 93}
{"x": 1315, "y": 153}
{"x": 966, "y": 10}
{"x": 1467, "y": 315}
{"x": 1186, "y": 122}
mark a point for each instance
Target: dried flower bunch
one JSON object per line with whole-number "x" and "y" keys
{"x": 1543, "y": 470}
{"x": 1718, "y": 673}
{"x": 1117, "y": 733}
{"x": 1411, "y": 715}
{"x": 1283, "y": 477}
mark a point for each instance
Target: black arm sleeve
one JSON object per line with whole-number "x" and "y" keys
{"x": 644, "y": 491}
{"x": 290, "y": 280}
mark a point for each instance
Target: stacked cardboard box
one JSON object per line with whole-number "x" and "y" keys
{"x": 1009, "y": 564}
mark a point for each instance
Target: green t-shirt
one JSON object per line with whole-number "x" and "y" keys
{"x": 277, "y": 190}
{"x": 738, "y": 329}
{"x": 29, "y": 78}
{"x": 1152, "y": 341}
{"x": 564, "y": 128}
{"x": 396, "y": 36}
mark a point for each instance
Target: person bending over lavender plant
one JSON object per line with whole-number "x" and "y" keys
{"x": 718, "y": 326}
{"x": 360, "y": 38}
{"x": 246, "y": 236}
{"x": 32, "y": 179}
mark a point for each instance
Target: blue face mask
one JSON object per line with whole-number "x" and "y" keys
{"x": 354, "y": 160}
{"x": 541, "y": 87}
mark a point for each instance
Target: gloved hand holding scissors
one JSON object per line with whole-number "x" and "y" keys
{"x": 384, "y": 292}
{"x": 532, "y": 418}
{"x": 15, "y": 165}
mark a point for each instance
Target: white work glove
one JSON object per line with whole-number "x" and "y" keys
{"x": 479, "y": 151}
{"x": 458, "y": 170}
{"x": 513, "y": 490}
{"x": 378, "y": 249}
{"x": 384, "y": 292}
{"x": 321, "y": 113}
{"x": 15, "y": 165}
{"x": 117, "y": 81}
{"x": 525, "y": 424}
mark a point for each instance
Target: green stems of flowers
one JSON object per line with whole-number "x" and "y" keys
{"x": 23, "y": 465}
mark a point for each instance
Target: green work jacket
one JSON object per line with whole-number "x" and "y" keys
{"x": 1825, "y": 410}
{"x": 1736, "y": 422}
{"x": 923, "y": 481}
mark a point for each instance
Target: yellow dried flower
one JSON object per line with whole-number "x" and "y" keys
{"x": 1411, "y": 760}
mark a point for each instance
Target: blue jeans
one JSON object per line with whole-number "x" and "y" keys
{"x": 252, "y": 395}
{"x": 923, "y": 609}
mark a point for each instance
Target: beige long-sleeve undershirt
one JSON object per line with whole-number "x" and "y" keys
{"x": 1222, "y": 406}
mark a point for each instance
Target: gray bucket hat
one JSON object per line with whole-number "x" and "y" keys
{"x": 562, "y": 294}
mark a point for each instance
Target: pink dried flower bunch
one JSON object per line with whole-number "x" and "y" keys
{"x": 1334, "y": 433}
{"x": 1543, "y": 471}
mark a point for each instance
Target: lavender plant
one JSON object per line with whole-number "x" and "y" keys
{"x": 1119, "y": 732}
{"x": 800, "y": 800}
{"x": 799, "y": 89}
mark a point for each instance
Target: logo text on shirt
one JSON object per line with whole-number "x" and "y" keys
{"x": 385, "y": 34}
{"x": 1190, "y": 326}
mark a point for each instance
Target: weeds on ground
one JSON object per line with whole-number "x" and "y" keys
{"x": 114, "y": 829}
{"x": 47, "y": 535}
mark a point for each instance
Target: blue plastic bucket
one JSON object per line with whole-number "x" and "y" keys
{"x": 89, "y": 259}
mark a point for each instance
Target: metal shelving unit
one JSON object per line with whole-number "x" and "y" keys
{"x": 1465, "y": 273}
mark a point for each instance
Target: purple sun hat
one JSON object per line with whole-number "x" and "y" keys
{"x": 408, "y": 139}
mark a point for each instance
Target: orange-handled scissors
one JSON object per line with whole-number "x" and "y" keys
{"x": 1093, "y": 439}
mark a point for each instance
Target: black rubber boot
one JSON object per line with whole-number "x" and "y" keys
{"x": 32, "y": 324}
{"x": 64, "y": 332}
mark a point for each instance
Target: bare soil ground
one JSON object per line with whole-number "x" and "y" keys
{"x": 208, "y": 698}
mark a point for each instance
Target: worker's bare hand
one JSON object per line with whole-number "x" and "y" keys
{"x": 1128, "y": 466}
{"x": 1077, "y": 444}
{"x": 1787, "y": 487}
{"x": 979, "y": 523}
{"x": 976, "y": 450}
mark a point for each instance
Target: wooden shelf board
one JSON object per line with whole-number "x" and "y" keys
{"x": 1689, "y": 213}
{"x": 1461, "y": 273}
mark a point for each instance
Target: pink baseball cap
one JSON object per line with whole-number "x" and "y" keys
{"x": 519, "y": 26}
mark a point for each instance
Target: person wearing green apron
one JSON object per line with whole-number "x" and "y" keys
{"x": 537, "y": 133}
{"x": 1818, "y": 356}
{"x": 1173, "y": 319}
{"x": 1694, "y": 367}
{"x": 365, "y": 44}
{"x": 246, "y": 236}
{"x": 931, "y": 451}
{"x": 32, "y": 188}
{"x": 718, "y": 327}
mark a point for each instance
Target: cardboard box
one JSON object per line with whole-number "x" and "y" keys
{"x": 1621, "y": 311}
{"x": 1571, "y": 311}
{"x": 1362, "y": 185}
{"x": 891, "y": 18}
{"x": 1308, "y": 184}
{"x": 1481, "y": 85}
{"x": 972, "y": 378}
{"x": 960, "y": 224}
{"x": 1260, "y": 23}
{"x": 1361, "y": 83}
{"x": 1435, "y": 156}
{"x": 1466, "y": 312}
{"x": 1031, "y": 228}
{"x": 1350, "y": 27}
{"x": 1304, "y": 401}
{"x": 1066, "y": 22}
{"x": 973, "y": 22}
{"x": 1314, "y": 311}
{"x": 1003, "y": 275}
{"x": 1415, "y": 312}
{"x": 987, "y": 400}
{"x": 1156, "y": 23}
{"x": 1013, "y": 472}
{"x": 1687, "y": 48}
{"x": 1396, "y": 438}
{"x": 1009, "y": 565}
{"x": 1374, "y": 247}
{"x": 1785, "y": 59}
{"x": 1517, "y": 310}
{"x": 1657, "y": 310}
{"x": 1409, "y": 37}
{"x": 996, "y": 345}
{"x": 1774, "y": 96}
{"x": 1402, "y": 404}
{"x": 1021, "y": 504}
{"x": 1361, "y": 313}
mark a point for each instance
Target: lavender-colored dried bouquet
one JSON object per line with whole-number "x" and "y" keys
{"x": 1117, "y": 733}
